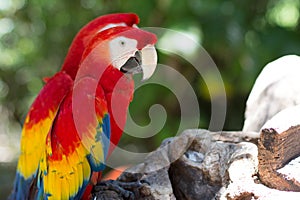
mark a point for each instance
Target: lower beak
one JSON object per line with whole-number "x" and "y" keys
{"x": 133, "y": 64}
{"x": 144, "y": 61}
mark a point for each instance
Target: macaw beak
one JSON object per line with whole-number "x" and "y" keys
{"x": 144, "y": 61}
{"x": 149, "y": 61}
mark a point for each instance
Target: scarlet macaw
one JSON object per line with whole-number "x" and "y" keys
{"x": 74, "y": 123}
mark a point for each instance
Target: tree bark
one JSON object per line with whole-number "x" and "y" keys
{"x": 275, "y": 151}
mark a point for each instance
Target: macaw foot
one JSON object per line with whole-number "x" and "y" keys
{"x": 114, "y": 189}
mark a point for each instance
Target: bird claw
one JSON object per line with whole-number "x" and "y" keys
{"x": 126, "y": 190}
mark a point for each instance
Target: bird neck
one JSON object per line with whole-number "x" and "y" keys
{"x": 118, "y": 89}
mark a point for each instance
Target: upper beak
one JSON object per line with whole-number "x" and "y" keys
{"x": 149, "y": 61}
{"x": 144, "y": 61}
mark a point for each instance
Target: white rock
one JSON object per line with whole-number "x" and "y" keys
{"x": 276, "y": 88}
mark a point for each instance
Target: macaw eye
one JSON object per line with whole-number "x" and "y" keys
{"x": 122, "y": 43}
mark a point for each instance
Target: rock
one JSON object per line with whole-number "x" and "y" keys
{"x": 193, "y": 165}
{"x": 277, "y": 87}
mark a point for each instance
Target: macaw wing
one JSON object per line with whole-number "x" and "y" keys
{"x": 37, "y": 124}
{"x": 78, "y": 143}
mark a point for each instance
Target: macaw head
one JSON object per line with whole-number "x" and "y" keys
{"x": 83, "y": 37}
{"x": 132, "y": 51}
{"x": 117, "y": 51}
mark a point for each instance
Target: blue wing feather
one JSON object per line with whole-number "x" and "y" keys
{"x": 103, "y": 139}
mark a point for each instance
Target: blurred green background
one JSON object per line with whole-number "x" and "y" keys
{"x": 240, "y": 36}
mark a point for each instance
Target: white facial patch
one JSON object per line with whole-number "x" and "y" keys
{"x": 121, "y": 49}
{"x": 108, "y": 26}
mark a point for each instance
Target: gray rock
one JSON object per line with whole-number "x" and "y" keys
{"x": 191, "y": 166}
